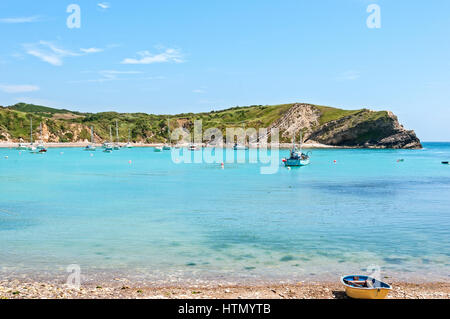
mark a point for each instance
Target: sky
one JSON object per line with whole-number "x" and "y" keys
{"x": 176, "y": 56}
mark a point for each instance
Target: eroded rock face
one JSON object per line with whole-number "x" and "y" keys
{"x": 365, "y": 129}
{"x": 298, "y": 117}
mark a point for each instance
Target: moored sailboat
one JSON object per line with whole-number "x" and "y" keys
{"x": 91, "y": 147}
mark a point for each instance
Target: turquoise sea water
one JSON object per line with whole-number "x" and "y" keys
{"x": 162, "y": 222}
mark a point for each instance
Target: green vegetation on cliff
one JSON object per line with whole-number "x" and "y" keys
{"x": 328, "y": 125}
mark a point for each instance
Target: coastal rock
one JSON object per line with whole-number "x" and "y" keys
{"x": 298, "y": 117}
{"x": 361, "y": 129}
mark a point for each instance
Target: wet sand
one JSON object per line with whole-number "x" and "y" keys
{"x": 301, "y": 290}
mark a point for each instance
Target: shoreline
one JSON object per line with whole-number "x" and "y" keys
{"x": 14, "y": 289}
{"x": 283, "y": 146}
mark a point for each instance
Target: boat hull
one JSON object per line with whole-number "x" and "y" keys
{"x": 296, "y": 163}
{"x": 380, "y": 290}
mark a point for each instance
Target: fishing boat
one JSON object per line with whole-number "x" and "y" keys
{"x": 91, "y": 147}
{"x": 297, "y": 157}
{"x": 365, "y": 287}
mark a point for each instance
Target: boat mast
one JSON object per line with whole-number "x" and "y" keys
{"x": 31, "y": 130}
{"x": 117, "y": 132}
{"x": 168, "y": 131}
{"x": 40, "y": 132}
{"x": 301, "y": 141}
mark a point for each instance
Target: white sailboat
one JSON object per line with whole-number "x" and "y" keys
{"x": 108, "y": 147}
{"x": 168, "y": 147}
{"x": 129, "y": 145}
{"x": 91, "y": 147}
{"x": 116, "y": 145}
{"x": 41, "y": 146}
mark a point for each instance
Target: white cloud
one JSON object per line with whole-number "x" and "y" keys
{"x": 349, "y": 76}
{"x": 199, "y": 91}
{"x": 54, "y": 55}
{"x": 111, "y": 75}
{"x": 7, "y": 88}
{"x": 20, "y": 19}
{"x": 169, "y": 55}
{"x": 104, "y": 5}
{"x": 91, "y": 50}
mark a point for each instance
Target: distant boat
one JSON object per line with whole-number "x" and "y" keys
{"x": 33, "y": 149}
{"x": 168, "y": 147}
{"x": 365, "y": 287}
{"x": 108, "y": 148}
{"x": 129, "y": 145}
{"x": 158, "y": 149}
{"x": 21, "y": 147}
{"x": 238, "y": 147}
{"x": 193, "y": 147}
{"x": 116, "y": 145}
{"x": 297, "y": 157}
{"x": 41, "y": 146}
{"x": 91, "y": 147}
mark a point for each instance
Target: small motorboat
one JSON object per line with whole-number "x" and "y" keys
{"x": 166, "y": 148}
{"x": 365, "y": 287}
{"x": 21, "y": 147}
{"x": 158, "y": 149}
{"x": 445, "y": 162}
{"x": 107, "y": 148}
{"x": 90, "y": 148}
{"x": 193, "y": 147}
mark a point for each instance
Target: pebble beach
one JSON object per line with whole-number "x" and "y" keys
{"x": 40, "y": 290}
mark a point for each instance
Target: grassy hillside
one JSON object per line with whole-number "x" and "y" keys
{"x": 69, "y": 126}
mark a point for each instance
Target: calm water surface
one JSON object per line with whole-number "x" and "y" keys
{"x": 163, "y": 222}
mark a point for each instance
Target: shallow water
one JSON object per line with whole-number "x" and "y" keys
{"x": 159, "y": 221}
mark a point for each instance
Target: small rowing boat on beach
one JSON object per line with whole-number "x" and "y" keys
{"x": 365, "y": 287}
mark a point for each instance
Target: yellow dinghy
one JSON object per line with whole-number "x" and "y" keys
{"x": 365, "y": 287}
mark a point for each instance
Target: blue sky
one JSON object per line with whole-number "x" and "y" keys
{"x": 189, "y": 56}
